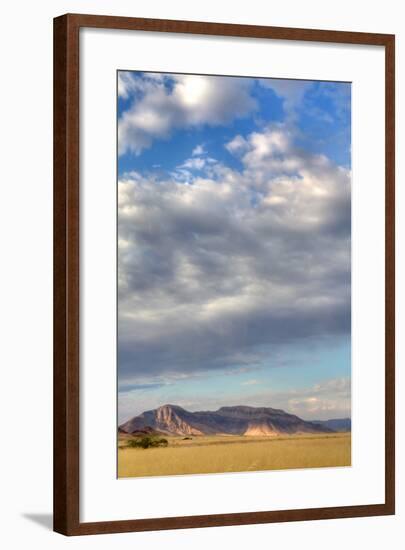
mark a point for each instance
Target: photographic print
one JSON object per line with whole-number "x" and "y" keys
{"x": 234, "y": 274}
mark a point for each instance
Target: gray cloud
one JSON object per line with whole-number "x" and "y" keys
{"x": 140, "y": 387}
{"x": 223, "y": 270}
{"x": 292, "y": 92}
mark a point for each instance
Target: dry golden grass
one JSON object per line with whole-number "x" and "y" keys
{"x": 214, "y": 454}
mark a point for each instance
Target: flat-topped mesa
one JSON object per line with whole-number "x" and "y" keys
{"x": 248, "y": 411}
{"x": 234, "y": 420}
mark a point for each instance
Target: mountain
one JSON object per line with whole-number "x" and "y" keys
{"x": 336, "y": 424}
{"x": 238, "y": 420}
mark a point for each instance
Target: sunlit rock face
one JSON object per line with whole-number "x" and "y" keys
{"x": 238, "y": 420}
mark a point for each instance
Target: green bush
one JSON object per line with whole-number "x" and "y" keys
{"x": 147, "y": 441}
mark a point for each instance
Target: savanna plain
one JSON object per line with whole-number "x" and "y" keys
{"x": 177, "y": 455}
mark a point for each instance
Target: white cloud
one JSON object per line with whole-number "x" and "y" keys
{"x": 198, "y": 150}
{"x": 237, "y": 145}
{"x": 178, "y": 101}
{"x": 196, "y": 163}
{"x": 125, "y": 84}
{"x": 128, "y": 84}
{"x": 329, "y": 399}
{"x": 234, "y": 262}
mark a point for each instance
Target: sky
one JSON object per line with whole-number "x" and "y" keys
{"x": 234, "y": 244}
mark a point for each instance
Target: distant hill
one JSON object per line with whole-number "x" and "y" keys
{"x": 336, "y": 424}
{"x": 237, "y": 420}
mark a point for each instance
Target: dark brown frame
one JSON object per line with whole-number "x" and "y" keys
{"x": 66, "y": 273}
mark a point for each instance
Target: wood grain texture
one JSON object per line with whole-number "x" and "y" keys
{"x": 66, "y": 273}
{"x": 390, "y": 274}
{"x": 66, "y": 276}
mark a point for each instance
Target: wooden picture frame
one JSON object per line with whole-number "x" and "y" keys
{"x": 67, "y": 284}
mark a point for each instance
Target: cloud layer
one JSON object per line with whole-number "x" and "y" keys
{"x": 222, "y": 267}
{"x": 164, "y": 104}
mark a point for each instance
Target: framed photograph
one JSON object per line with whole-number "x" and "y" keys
{"x": 223, "y": 274}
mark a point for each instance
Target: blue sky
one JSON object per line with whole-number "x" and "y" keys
{"x": 234, "y": 243}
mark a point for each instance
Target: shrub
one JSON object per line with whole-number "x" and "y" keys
{"x": 161, "y": 443}
{"x": 147, "y": 442}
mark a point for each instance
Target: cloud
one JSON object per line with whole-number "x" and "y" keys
{"x": 252, "y": 382}
{"x": 177, "y": 101}
{"x": 237, "y": 145}
{"x": 339, "y": 94}
{"x": 195, "y": 163}
{"x": 224, "y": 269}
{"x": 140, "y": 387}
{"x": 329, "y": 399}
{"x": 129, "y": 85}
{"x": 291, "y": 91}
{"x": 125, "y": 84}
{"x": 198, "y": 150}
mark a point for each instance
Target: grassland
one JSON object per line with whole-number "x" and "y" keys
{"x": 213, "y": 454}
